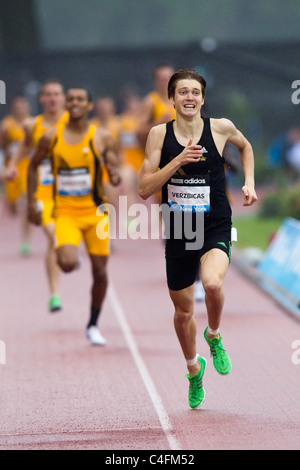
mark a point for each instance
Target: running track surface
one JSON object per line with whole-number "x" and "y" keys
{"x": 58, "y": 392}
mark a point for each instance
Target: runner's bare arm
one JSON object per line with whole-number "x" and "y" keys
{"x": 26, "y": 145}
{"x": 145, "y": 122}
{"x": 23, "y": 150}
{"x": 107, "y": 147}
{"x": 5, "y": 173}
{"x": 42, "y": 151}
{"x": 236, "y": 138}
{"x": 3, "y": 133}
{"x": 151, "y": 180}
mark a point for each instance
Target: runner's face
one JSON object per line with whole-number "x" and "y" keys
{"x": 20, "y": 108}
{"x": 162, "y": 77}
{"x": 188, "y": 97}
{"x": 77, "y": 103}
{"x": 52, "y": 98}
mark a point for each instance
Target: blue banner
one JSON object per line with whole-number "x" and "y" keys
{"x": 280, "y": 266}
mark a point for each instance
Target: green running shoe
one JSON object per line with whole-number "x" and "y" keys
{"x": 196, "y": 390}
{"x": 55, "y": 303}
{"x": 25, "y": 249}
{"x": 221, "y": 360}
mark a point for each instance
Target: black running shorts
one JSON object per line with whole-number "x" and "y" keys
{"x": 182, "y": 271}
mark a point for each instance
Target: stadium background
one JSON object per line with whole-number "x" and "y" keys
{"x": 248, "y": 52}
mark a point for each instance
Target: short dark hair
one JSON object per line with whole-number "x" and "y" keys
{"x": 182, "y": 74}
{"x": 50, "y": 81}
{"x": 79, "y": 87}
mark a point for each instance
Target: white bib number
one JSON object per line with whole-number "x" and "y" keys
{"x": 73, "y": 182}
{"x": 189, "y": 194}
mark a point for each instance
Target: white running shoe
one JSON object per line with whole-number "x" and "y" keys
{"x": 95, "y": 337}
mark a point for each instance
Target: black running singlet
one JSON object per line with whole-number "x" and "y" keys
{"x": 196, "y": 187}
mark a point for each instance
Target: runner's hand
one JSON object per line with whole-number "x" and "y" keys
{"x": 34, "y": 216}
{"x": 115, "y": 179}
{"x": 10, "y": 173}
{"x": 191, "y": 154}
{"x": 250, "y": 196}
{"x": 114, "y": 176}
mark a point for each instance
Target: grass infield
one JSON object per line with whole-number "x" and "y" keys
{"x": 255, "y": 231}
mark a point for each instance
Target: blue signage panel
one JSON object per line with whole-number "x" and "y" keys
{"x": 281, "y": 262}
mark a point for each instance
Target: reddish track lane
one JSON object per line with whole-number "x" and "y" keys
{"x": 58, "y": 392}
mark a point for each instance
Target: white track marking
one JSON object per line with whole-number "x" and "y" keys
{"x": 141, "y": 366}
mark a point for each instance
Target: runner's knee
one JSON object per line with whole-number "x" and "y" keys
{"x": 212, "y": 286}
{"x": 183, "y": 316}
{"x": 66, "y": 261}
{"x": 66, "y": 265}
{"x": 183, "y": 310}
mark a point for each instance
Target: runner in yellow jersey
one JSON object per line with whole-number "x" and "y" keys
{"x": 157, "y": 108}
{"x": 52, "y": 100}
{"x": 78, "y": 150}
{"x": 105, "y": 116}
{"x": 11, "y": 133}
{"x": 131, "y": 152}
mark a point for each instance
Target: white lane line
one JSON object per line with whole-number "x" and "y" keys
{"x": 141, "y": 366}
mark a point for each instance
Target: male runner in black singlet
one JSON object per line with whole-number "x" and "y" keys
{"x": 187, "y": 153}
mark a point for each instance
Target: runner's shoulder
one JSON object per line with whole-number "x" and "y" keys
{"x": 156, "y": 138}
{"x": 159, "y": 131}
{"x": 48, "y": 136}
{"x": 103, "y": 137}
{"x": 102, "y": 132}
{"x": 29, "y": 123}
{"x": 222, "y": 125}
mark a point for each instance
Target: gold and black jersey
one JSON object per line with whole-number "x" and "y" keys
{"x": 77, "y": 171}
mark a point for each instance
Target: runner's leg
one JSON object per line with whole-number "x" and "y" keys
{"x": 51, "y": 262}
{"x": 100, "y": 281}
{"x": 214, "y": 265}
{"x": 184, "y": 323}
